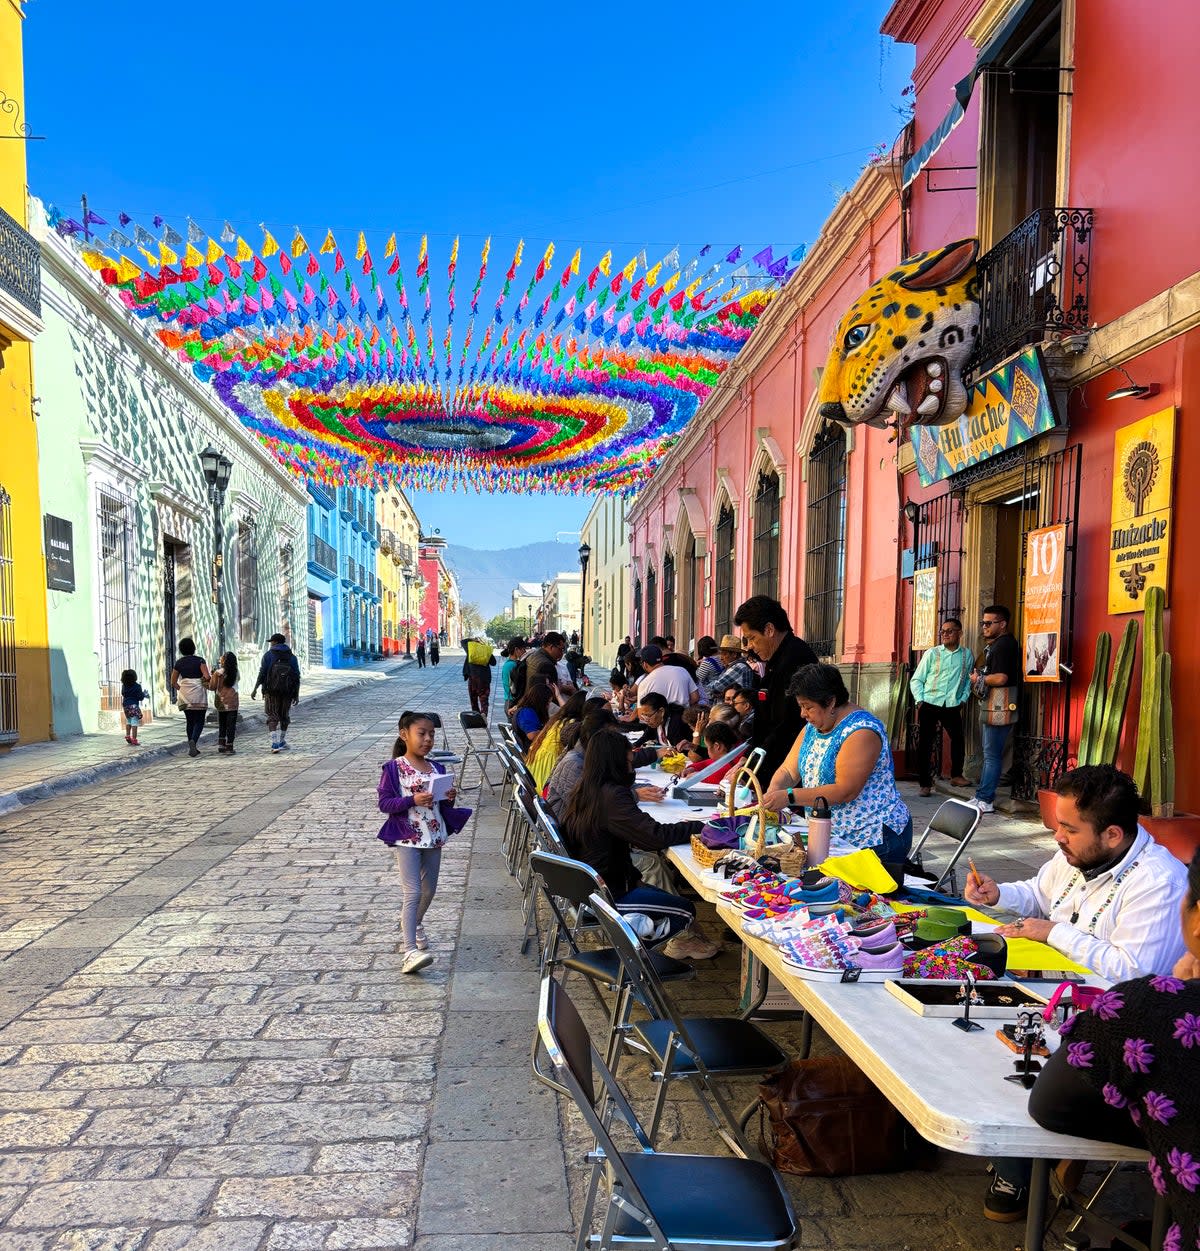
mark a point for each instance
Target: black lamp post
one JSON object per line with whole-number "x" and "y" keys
{"x": 217, "y": 467}
{"x": 585, "y": 552}
{"x": 408, "y": 614}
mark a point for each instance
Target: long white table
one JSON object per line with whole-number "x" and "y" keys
{"x": 948, "y": 1084}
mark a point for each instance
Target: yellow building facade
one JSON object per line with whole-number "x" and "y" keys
{"x": 399, "y": 537}
{"x": 25, "y": 659}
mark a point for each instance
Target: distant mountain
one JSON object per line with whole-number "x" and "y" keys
{"x": 488, "y": 577}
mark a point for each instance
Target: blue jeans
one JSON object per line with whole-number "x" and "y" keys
{"x": 895, "y": 847}
{"x": 678, "y": 912}
{"x": 994, "y": 739}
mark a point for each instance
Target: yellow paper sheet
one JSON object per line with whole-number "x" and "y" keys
{"x": 1023, "y": 953}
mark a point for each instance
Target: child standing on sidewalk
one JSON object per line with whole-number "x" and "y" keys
{"x": 416, "y": 828}
{"x": 225, "y": 696}
{"x": 132, "y": 698}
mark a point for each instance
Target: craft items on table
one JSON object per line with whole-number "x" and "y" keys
{"x": 579, "y": 379}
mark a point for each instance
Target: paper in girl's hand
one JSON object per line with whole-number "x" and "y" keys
{"x": 440, "y": 786}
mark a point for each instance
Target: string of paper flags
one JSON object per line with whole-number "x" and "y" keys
{"x": 575, "y": 377}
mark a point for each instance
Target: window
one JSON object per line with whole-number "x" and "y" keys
{"x": 8, "y": 629}
{"x": 723, "y": 573}
{"x": 691, "y": 572}
{"x": 824, "y": 570}
{"x": 651, "y": 617}
{"x": 637, "y": 612}
{"x": 286, "y": 560}
{"x": 668, "y": 576}
{"x": 116, "y": 635}
{"x": 247, "y": 583}
{"x": 765, "y": 564}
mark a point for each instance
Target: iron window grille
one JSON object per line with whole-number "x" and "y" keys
{"x": 8, "y": 627}
{"x": 765, "y": 560}
{"x": 116, "y": 632}
{"x": 20, "y": 264}
{"x": 247, "y": 584}
{"x": 723, "y": 580}
{"x": 668, "y": 594}
{"x": 651, "y": 603}
{"x": 637, "y": 612}
{"x": 824, "y": 573}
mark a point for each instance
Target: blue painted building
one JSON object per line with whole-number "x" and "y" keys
{"x": 344, "y": 605}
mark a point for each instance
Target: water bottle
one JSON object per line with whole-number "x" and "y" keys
{"x": 820, "y": 829}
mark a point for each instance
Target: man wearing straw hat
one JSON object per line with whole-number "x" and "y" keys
{"x": 735, "y": 670}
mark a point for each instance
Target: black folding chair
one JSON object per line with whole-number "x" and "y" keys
{"x": 957, "y": 820}
{"x": 695, "y": 1049}
{"x": 472, "y": 723}
{"x": 655, "y": 1200}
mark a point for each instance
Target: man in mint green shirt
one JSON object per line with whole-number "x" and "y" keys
{"x": 940, "y": 686}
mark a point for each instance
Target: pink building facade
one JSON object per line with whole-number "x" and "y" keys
{"x": 761, "y": 495}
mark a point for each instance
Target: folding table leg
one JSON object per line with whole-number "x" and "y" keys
{"x": 1035, "y": 1217}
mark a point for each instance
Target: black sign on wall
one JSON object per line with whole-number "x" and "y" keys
{"x": 60, "y": 554}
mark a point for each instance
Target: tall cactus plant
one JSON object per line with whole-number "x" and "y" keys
{"x": 1162, "y": 756}
{"x": 1118, "y": 697}
{"x": 1149, "y": 710}
{"x": 1093, "y": 704}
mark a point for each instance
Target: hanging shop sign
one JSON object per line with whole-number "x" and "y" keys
{"x": 1045, "y": 557}
{"x": 1139, "y": 545}
{"x": 60, "y": 553}
{"x": 1005, "y": 408}
{"x": 925, "y": 604}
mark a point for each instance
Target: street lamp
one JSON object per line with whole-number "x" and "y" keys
{"x": 407, "y": 613}
{"x": 217, "y": 467}
{"x": 585, "y": 552}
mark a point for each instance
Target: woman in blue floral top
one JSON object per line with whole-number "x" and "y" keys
{"x": 1128, "y": 1072}
{"x": 843, "y": 755}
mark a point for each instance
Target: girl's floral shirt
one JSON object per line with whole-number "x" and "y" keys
{"x": 1139, "y": 1045}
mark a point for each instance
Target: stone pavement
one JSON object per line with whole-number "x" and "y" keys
{"x": 206, "y": 1043}
{"x": 39, "y": 770}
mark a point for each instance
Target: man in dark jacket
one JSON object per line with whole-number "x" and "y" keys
{"x": 477, "y": 673}
{"x": 767, "y": 632}
{"x": 279, "y": 678}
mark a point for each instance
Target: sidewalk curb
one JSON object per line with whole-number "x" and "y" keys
{"x": 11, "y": 801}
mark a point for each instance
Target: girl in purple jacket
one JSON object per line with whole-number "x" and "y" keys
{"x": 416, "y": 828}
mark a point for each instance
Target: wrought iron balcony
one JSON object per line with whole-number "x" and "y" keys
{"x": 322, "y": 555}
{"x": 1034, "y": 284}
{"x": 387, "y": 540}
{"x": 20, "y": 264}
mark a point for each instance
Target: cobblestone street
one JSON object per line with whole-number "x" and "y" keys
{"x": 207, "y": 1043}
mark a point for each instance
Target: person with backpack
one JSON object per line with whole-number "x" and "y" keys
{"x": 279, "y": 679}
{"x": 513, "y": 654}
{"x": 477, "y": 673}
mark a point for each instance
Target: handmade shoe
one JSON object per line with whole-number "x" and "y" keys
{"x": 1005, "y": 1201}
{"x": 415, "y": 961}
{"x": 822, "y": 891}
{"x": 875, "y": 935}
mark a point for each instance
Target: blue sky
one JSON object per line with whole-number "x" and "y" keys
{"x": 625, "y": 124}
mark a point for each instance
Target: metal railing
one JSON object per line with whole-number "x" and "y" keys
{"x": 20, "y": 264}
{"x": 387, "y": 540}
{"x": 322, "y": 554}
{"x": 1034, "y": 284}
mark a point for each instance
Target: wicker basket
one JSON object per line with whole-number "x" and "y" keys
{"x": 706, "y": 857}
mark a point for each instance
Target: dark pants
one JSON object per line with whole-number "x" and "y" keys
{"x": 195, "y": 722}
{"x": 226, "y": 726}
{"x": 659, "y": 904}
{"x": 279, "y": 711}
{"x": 931, "y": 720}
{"x": 479, "y": 692}
{"x": 1065, "y": 1102}
{"x": 420, "y": 660}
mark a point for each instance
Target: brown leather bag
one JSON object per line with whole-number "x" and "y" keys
{"x": 828, "y": 1120}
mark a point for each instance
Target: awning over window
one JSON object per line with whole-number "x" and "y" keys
{"x": 988, "y": 54}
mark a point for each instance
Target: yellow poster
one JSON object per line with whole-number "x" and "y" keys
{"x": 925, "y": 609}
{"x": 1041, "y": 614}
{"x": 1139, "y": 545}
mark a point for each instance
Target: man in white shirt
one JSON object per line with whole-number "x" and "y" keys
{"x": 672, "y": 682}
{"x": 1108, "y": 899}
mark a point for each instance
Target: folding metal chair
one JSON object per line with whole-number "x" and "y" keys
{"x": 957, "y": 820}
{"x": 472, "y": 723}
{"x": 655, "y": 1200}
{"x": 694, "y": 1050}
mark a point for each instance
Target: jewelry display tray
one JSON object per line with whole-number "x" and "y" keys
{"x": 938, "y": 998}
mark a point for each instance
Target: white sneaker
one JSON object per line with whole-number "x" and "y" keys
{"x": 983, "y": 805}
{"x": 415, "y": 961}
{"x": 422, "y": 939}
{"x": 690, "y": 947}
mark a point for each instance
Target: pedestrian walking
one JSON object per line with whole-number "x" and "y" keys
{"x": 132, "y": 698}
{"x": 940, "y": 686}
{"x": 421, "y": 651}
{"x": 225, "y": 695}
{"x": 997, "y": 687}
{"x": 189, "y": 680}
{"x": 477, "y": 673}
{"x": 421, "y": 816}
{"x": 279, "y": 679}
{"x": 435, "y": 651}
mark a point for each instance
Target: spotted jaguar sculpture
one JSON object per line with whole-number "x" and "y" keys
{"x": 899, "y": 352}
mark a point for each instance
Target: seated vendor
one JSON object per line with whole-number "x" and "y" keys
{"x": 1108, "y": 899}
{"x": 664, "y": 721}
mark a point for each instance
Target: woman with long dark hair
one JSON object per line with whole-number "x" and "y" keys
{"x": 531, "y": 713}
{"x": 189, "y": 680}
{"x": 546, "y": 746}
{"x": 602, "y": 825}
